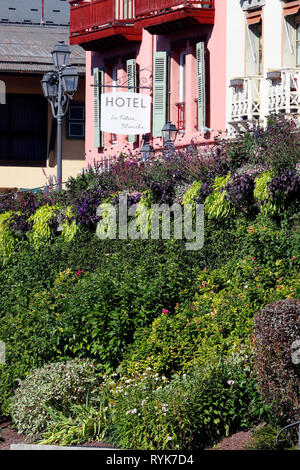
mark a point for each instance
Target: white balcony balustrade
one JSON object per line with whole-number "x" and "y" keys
{"x": 254, "y": 98}
{"x": 284, "y": 93}
{"x": 245, "y": 100}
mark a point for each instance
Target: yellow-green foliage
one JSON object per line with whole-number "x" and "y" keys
{"x": 6, "y": 236}
{"x": 143, "y": 216}
{"x": 106, "y": 227}
{"x": 69, "y": 227}
{"x": 217, "y": 204}
{"x": 261, "y": 193}
{"x": 41, "y": 233}
{"x": 192, "y": 192}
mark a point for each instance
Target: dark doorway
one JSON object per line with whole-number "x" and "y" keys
{"x": 23, "y": 130}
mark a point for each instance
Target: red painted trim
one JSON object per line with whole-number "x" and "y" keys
{"x": 201, "y": 16}
{"x": 98, "y": 19}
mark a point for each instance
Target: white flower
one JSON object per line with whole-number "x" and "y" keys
{"x": 169, "y": 438}
{"x": 143, "y": 402}
{"x": 230, "y": 382}
{"x": 246, "y": 287}
{"x": 133, "y": 412}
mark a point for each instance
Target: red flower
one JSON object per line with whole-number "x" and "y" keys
{"x": 79, "y": 273}
{"x": 165, "y": 311}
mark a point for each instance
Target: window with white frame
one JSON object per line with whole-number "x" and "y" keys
{"x": 254, "y": 50}
{"x": 182, "y": 85}
{"x": 291, "y": 35}
{"x": 297, "y": 41}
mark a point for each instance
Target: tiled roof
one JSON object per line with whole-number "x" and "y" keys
{"x": 28, "y": 48}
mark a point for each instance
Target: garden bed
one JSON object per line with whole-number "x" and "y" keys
{"x": 237, "y": 441}
{"x": 10, "y": 436}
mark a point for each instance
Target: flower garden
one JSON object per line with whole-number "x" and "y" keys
{"x": 141, "y": 343}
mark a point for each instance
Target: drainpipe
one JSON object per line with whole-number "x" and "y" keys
{"x": 42, "y": 15}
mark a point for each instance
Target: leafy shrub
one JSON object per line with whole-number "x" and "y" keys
{"x": 240, "y": 192}
{"x": 277, "y": 327}
{"x": 85, "y": 207}
{"x": 264, "y": 438}
{"x": 189, "y": 412}
{"x": 193, "y": 193}
{"x": 217, "y": 204}
{"x": 262, "y": 194}
{"x": 6, "y": 236}
{"x": 55, "y": 385}
{"x": 85, "y": 423}
{"x": 42, "y": 232}
{"x": 218, "y": 320}
{"x": 285, "y": 188}
{"x": 278, "y": 146}
{"x": 68, "y": 224}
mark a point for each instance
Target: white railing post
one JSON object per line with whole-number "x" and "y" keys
{"x": 288, "y": 92}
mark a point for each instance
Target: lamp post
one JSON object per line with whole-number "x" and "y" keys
{"x": 169, "y": 133}
{"x": 59, "y": 87}
{"x": 147, "y": 151}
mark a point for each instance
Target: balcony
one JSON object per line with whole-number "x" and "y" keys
{"x": 284, "y": 92}
{"x": 99, "y": 24}
{"x": 245, "y": 101}
{"x": 165, "y": 16}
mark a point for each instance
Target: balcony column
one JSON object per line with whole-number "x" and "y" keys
{"x": 288, "y": 93}
{"x": 264, "y": 100}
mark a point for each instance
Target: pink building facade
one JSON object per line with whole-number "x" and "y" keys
{"x": 174, "y": 52}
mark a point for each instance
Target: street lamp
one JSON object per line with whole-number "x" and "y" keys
{"x": 169, "y": 133}
{"x": 59, "y": 87}
{"x": 60, "y": 55}
{"x": 147, "y": 151}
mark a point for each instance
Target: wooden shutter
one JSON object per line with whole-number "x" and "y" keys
{"x": 132, "y": 84}
{"x": 98, "y": 80}
{"x": 200, "y": 56}
{"x": 160, "y": 92}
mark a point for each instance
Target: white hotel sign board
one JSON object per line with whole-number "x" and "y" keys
{"x": 125, "y": 113}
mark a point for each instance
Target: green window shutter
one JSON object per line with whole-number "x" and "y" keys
{"x": 98, "y": 80}
{"x": 132, "y": 84}
{"x": 200, "y": 56}
{"x": 160, "y": 92}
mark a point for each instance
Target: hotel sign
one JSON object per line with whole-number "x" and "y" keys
{"x": 125, "y": 113}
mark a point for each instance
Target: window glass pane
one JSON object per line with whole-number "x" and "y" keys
{"x": 76, "y": 129}
{"x": 76, "y": 113}
{"x": 298, "y": 53}
{"x": 298, "y": 31}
